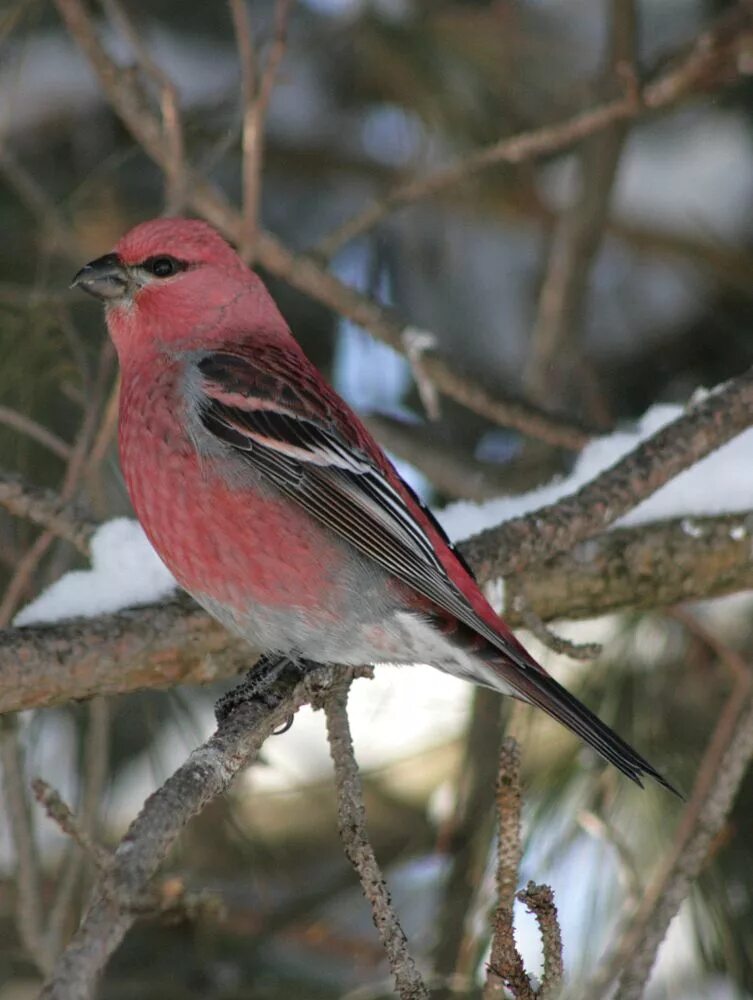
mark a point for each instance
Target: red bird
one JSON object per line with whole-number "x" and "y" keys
{"x": 269, "y": 500}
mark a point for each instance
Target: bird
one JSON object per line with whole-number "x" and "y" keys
{"x": 269, "y": 500}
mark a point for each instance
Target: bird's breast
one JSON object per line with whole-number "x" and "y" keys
{"x": 223, "y": 534}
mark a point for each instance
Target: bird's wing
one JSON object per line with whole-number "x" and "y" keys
{"x": 297, "y": 433}
{"x": 294, "y": 442}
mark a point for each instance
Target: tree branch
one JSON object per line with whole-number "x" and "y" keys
{"x": 540, "y": 901}
{"x": 205, "y": 775}
{"x": 46, "y": 509}
{"x": 351, "y": 817}
{"x": 558, "y": 329}
{"x": 712, "y": 57}
{"x": 256, "y": 95}
{"x": 29, "y": 913}
{"x": 704, "y": 427}
{"x": 654, "y": 565}
{"x": 302, "y": 272}
{"x": 725, "y": 763}
{"x": 506, "y": 969}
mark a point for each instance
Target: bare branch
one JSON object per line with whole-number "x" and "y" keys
{"x": 62, "y": 814}
{"x": 654, "y": 565}
{"x": 25, "y": 425}
{"x": 358, "y": 849}
{"x": 452, "y": 470}
{"x": 205, "y": 775}
{"x": 464, "y": 840}
{"x": 301, "y": 272}
{"x": 557, "y": 330}
{"x": 155, "y": 647}
{"x": 73, "y": 474}
{"x": 725, "y": 762}
{"x": 47, "y": 509}
{"x": 705, "y": 426}
{"x": 172, "y": 124}
{"x": 506, "y": 969}
{"x": 29, "y": 915}
{"x": 712, "y": 58}
{"x": 557, "y": 643}
{"x": 255, "y": 102}
{"x": 540, "y": 901}
{"x": 31, "y": 194}
{"x": 96, "y": 761}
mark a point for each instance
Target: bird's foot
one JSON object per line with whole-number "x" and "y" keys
{"x": 261, "y": 685}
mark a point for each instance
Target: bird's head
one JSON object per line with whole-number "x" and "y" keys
{"x": 175, "y": 283}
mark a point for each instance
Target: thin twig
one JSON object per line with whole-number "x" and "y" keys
{"x": 464, "y": 840}
{"x": 62, "y": 814}
{"x": 29, "y": 913}
{"x": 34, "y": 196}
{"x": 452, "y": 469}
{"x": 360, "y": 853}
{"x": 26, "y": 425}
{"x": 107, "y": 428}
{"x": 506, "y": 969}
{"x": 172, "y": 124}
{"x": 302, "y": 272}
{"x": 73, "y": 473}
{"x": 712, "y": 56}
{"x": 540, "y": 901}
{"x": 47, "y": 509}
{"x": 558, "y": 330}
{"x": 23, "y": 839}
{"x": 725, "y": 762}
{"x": 255, "y": 97}
{"x": 557, "y": 643}
{"x": 95, "y": 765}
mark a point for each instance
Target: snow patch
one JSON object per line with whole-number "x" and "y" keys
{"x": 125, "y": 572}
{"x": 722, "y": 483}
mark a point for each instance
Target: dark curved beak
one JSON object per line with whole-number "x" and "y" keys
{"x": 105, "y": 278}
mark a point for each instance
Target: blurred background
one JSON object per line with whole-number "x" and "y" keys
{"x": 658, "y": 215}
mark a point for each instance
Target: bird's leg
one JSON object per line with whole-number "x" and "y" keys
{"x": 261, "y": 683}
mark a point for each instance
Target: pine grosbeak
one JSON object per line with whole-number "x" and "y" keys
{"x": 270, "y": 501}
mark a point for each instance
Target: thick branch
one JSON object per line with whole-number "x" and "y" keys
{"x": 704, "y": 427}
{"x": 153, "y": 647}
{"x": 655, "y": 565}
{"x": 205, "y": 775}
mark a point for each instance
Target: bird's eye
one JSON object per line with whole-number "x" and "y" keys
{"x": 163, "y": 267}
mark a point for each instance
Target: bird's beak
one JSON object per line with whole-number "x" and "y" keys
{"x": 105, "y": 278}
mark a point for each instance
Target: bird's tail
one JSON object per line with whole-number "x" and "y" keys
{"x": 516, "y": 672}
{"x": 543, "y": 691}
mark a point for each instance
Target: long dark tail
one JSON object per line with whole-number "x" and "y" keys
{"x": 508, "y": 667}
{"x": 541, "y": 690}
{"x": 501, "y": 662}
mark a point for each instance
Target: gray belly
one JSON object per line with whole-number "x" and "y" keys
{"x": 398, "y": 636}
